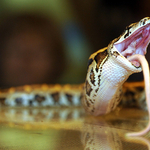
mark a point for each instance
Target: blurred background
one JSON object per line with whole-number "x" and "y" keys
{"x": 50, "y": 41}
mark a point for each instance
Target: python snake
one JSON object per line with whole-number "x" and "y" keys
{"x": 108, "y": 69}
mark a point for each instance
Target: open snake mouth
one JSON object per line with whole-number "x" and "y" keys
{"x": 136, "y": 43}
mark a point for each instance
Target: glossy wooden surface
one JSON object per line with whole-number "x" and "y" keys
{"x": 71, "y": 129}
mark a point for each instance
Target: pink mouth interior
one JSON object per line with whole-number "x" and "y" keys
{"x": 135, "y": 44}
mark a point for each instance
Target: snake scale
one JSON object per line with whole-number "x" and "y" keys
{"x": 108, "y": 69}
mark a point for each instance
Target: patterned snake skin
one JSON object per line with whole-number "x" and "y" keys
{"x": 68, "y": 95}
{"x": 108, "y": 69}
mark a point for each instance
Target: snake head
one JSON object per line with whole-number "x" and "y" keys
{"x": 134, "y": 40}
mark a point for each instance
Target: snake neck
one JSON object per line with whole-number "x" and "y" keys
{"x": 103, "y": 85}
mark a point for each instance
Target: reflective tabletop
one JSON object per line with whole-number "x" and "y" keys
{"x": 71, "y": 129}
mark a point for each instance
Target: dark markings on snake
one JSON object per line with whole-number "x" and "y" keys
{"x": 30, "y": 102}
{"x": 115, "y": 53}
{"x": 88, "y": 88}
{"x": 39, "y": 98}
{"x": 144, "y": 21}
{"x": 92, "y": 77}
{"x": 96, "y": 90}
{"x": 128, "y": 31}
{"x": 99, "y": 79}
{"x": 87, "y": 103}
{"x": 69, "y": 97}
{"x": 99, "y": 58}
{"x": 91, "y": 141}
{"x": 91, "y": 101}
{"x": 2, "y": 100}
{"x": 93, "y": 109}
{"x": 18, "y": 100}
{"x": 55, "y": 97}
{"x": 89, "y": 62}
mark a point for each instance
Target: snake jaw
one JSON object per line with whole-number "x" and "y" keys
{"x": 136, "y": 43}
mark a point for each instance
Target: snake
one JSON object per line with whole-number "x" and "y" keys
{"x": 104, "y": 86}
